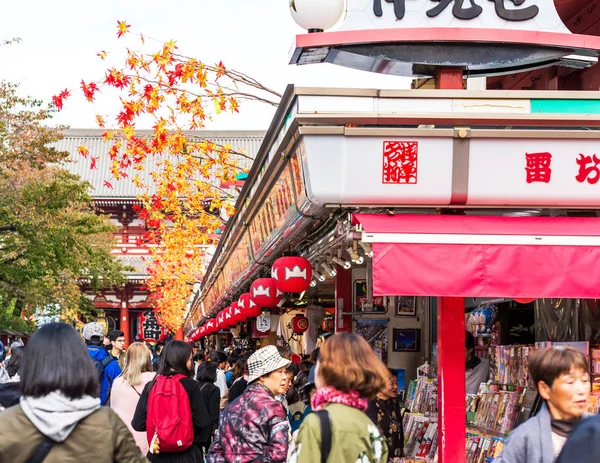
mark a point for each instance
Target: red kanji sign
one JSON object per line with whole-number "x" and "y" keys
{"x": 538, "y": 167}
{"x": 400, "y": 162}
{"x": 586, "y": 170}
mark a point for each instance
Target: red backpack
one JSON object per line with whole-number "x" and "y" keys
{"x": 170, "y": 415}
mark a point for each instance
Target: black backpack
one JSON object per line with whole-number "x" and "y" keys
{"x": 101, "y": 365}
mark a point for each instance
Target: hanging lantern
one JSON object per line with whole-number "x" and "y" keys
{"x": 237, "y": 313}
{"x": 229, "y": 323}
{"x": 328, "y": 325}
{"x": 221, "y": 320}
{"x": 150, "y": 329}
{"x": 292, "y": 273}
{"x": 201, "y": 331}
{"x": 211, "y": 326}
{"x": 299, "y": 324}
{"x": 524, "y": 300}
{"x": 265, "y": 293}
{"x": 248, "y": 306}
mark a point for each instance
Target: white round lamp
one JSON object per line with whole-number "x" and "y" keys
{"x": 316, "y": 15}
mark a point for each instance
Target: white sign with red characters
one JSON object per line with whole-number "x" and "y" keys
{"x": 528, "y": 172}
{"x": 393, "y": 171}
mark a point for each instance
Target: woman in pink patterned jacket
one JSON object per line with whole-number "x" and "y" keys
{"x": 255, "y": 427}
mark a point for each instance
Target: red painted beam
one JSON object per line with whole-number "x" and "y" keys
{"x": 451, "y": 380}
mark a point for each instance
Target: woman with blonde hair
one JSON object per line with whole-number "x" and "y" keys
{"x": 128, "y": 387}
{"x": 348, "y": 374}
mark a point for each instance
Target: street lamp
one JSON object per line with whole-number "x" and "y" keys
{"x": 316, "y": 15}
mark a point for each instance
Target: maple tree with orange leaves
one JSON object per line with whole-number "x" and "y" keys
{"x": 181, "y": 200}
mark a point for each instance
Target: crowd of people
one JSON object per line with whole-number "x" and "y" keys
{"x": 63, "y": 399}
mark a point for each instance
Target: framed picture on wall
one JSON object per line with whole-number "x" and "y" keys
{"x": 406, "y": 306}
{"x": 407, "y": 340}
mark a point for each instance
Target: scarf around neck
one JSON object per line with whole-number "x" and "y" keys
{"x": 330, "y": 395}
{"x": 563, "y": 427}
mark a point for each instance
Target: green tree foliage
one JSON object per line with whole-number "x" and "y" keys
{"x": 51, "y": 239}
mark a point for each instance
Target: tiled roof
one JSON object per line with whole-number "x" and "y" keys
{"x": 248, "y": 141}
{"x": 138, "y": 263}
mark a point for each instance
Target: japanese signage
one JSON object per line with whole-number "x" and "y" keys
{"x": 538, "y": 15}
{"x": 543, "y": 172}
{"x": 150, "y": 329}
{"x": 534, "y": 172}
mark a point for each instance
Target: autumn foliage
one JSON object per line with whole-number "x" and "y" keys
{"x": 181, "y": 200}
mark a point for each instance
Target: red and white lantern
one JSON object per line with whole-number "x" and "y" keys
{"x": 237, "y": 313}
{"x": 229, "y": 322}
{"x": 328, "y": 325}
{"x": 221, "y": 320}
{"x": 292, "y": 273}
{"x": 211, "y": 326}
{"x": 300, "y": 324}
{"x": 248, "y": 306}
{"x": 265, "y": 293}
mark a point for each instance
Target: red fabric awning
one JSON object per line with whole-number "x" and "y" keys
{"x": 528, "y": 257}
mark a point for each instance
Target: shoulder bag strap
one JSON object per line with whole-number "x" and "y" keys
{"x": 133, "y": 387}
{"x": 325, "y": 425}
{"x": 42, "y": 451}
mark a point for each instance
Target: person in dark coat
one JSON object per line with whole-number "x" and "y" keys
{"x": 583, "y": 445}
{"x": 176, "y": 358}
{"x": 385, "y": 412}
{"x": 207, "y": 375}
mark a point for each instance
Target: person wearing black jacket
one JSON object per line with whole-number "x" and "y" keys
{"x": 583, "y": 445}
{"x": 207, "y": 375}
{"x": 385, "y": 412}
{"x": 176, "y": 358}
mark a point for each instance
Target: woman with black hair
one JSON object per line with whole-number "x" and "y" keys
{"x": 207, "y": 375}
{"x": 12, "y": 368}
{"x": 59, "y": 417}
{"x": 176, "y": 365}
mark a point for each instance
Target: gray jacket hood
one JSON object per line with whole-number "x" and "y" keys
{"x": 55, "y": 415}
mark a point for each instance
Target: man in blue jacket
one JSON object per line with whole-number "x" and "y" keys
{"x": 107, "y": 365}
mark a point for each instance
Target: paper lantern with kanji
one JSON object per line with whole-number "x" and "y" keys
{"x": 248, "y": 306}
{"x": 265, "y": 293}
{"x": 150, "y": 329}
{"x": 328, "y": 325}
{"x": 292, "y": 273}
{"x": 299, "y": 324}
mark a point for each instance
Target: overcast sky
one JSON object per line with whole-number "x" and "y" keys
{"x": 60, "y": 40}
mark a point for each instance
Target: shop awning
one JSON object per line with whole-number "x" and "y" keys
{"x": 441, "y": 255}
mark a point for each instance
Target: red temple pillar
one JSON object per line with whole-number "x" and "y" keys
{"x": 179, "y": 334}
{"x": 124, "y": 322}
{"x": 343, "y": 299}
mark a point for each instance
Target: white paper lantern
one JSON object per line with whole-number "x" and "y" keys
{"x": 316, "y": 15}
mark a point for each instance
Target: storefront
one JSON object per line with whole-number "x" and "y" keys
{"x": 398, "y": 212}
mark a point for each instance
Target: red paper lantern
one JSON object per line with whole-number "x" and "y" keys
{"x": 150, "y": 329}
{"x": 524, "y": 301}
{"x": 221, "y": 320}
{"x": 328, "y": 325}
{"x": 237, "y": 313}
{"x": 299, "y": 324}
{"x": 229, "y": 322}
{"x": 292, "y": 273}
{"x": 211, "y": 326}
{"x": 248, "y": 306}
{"x": 265, "y": 293}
